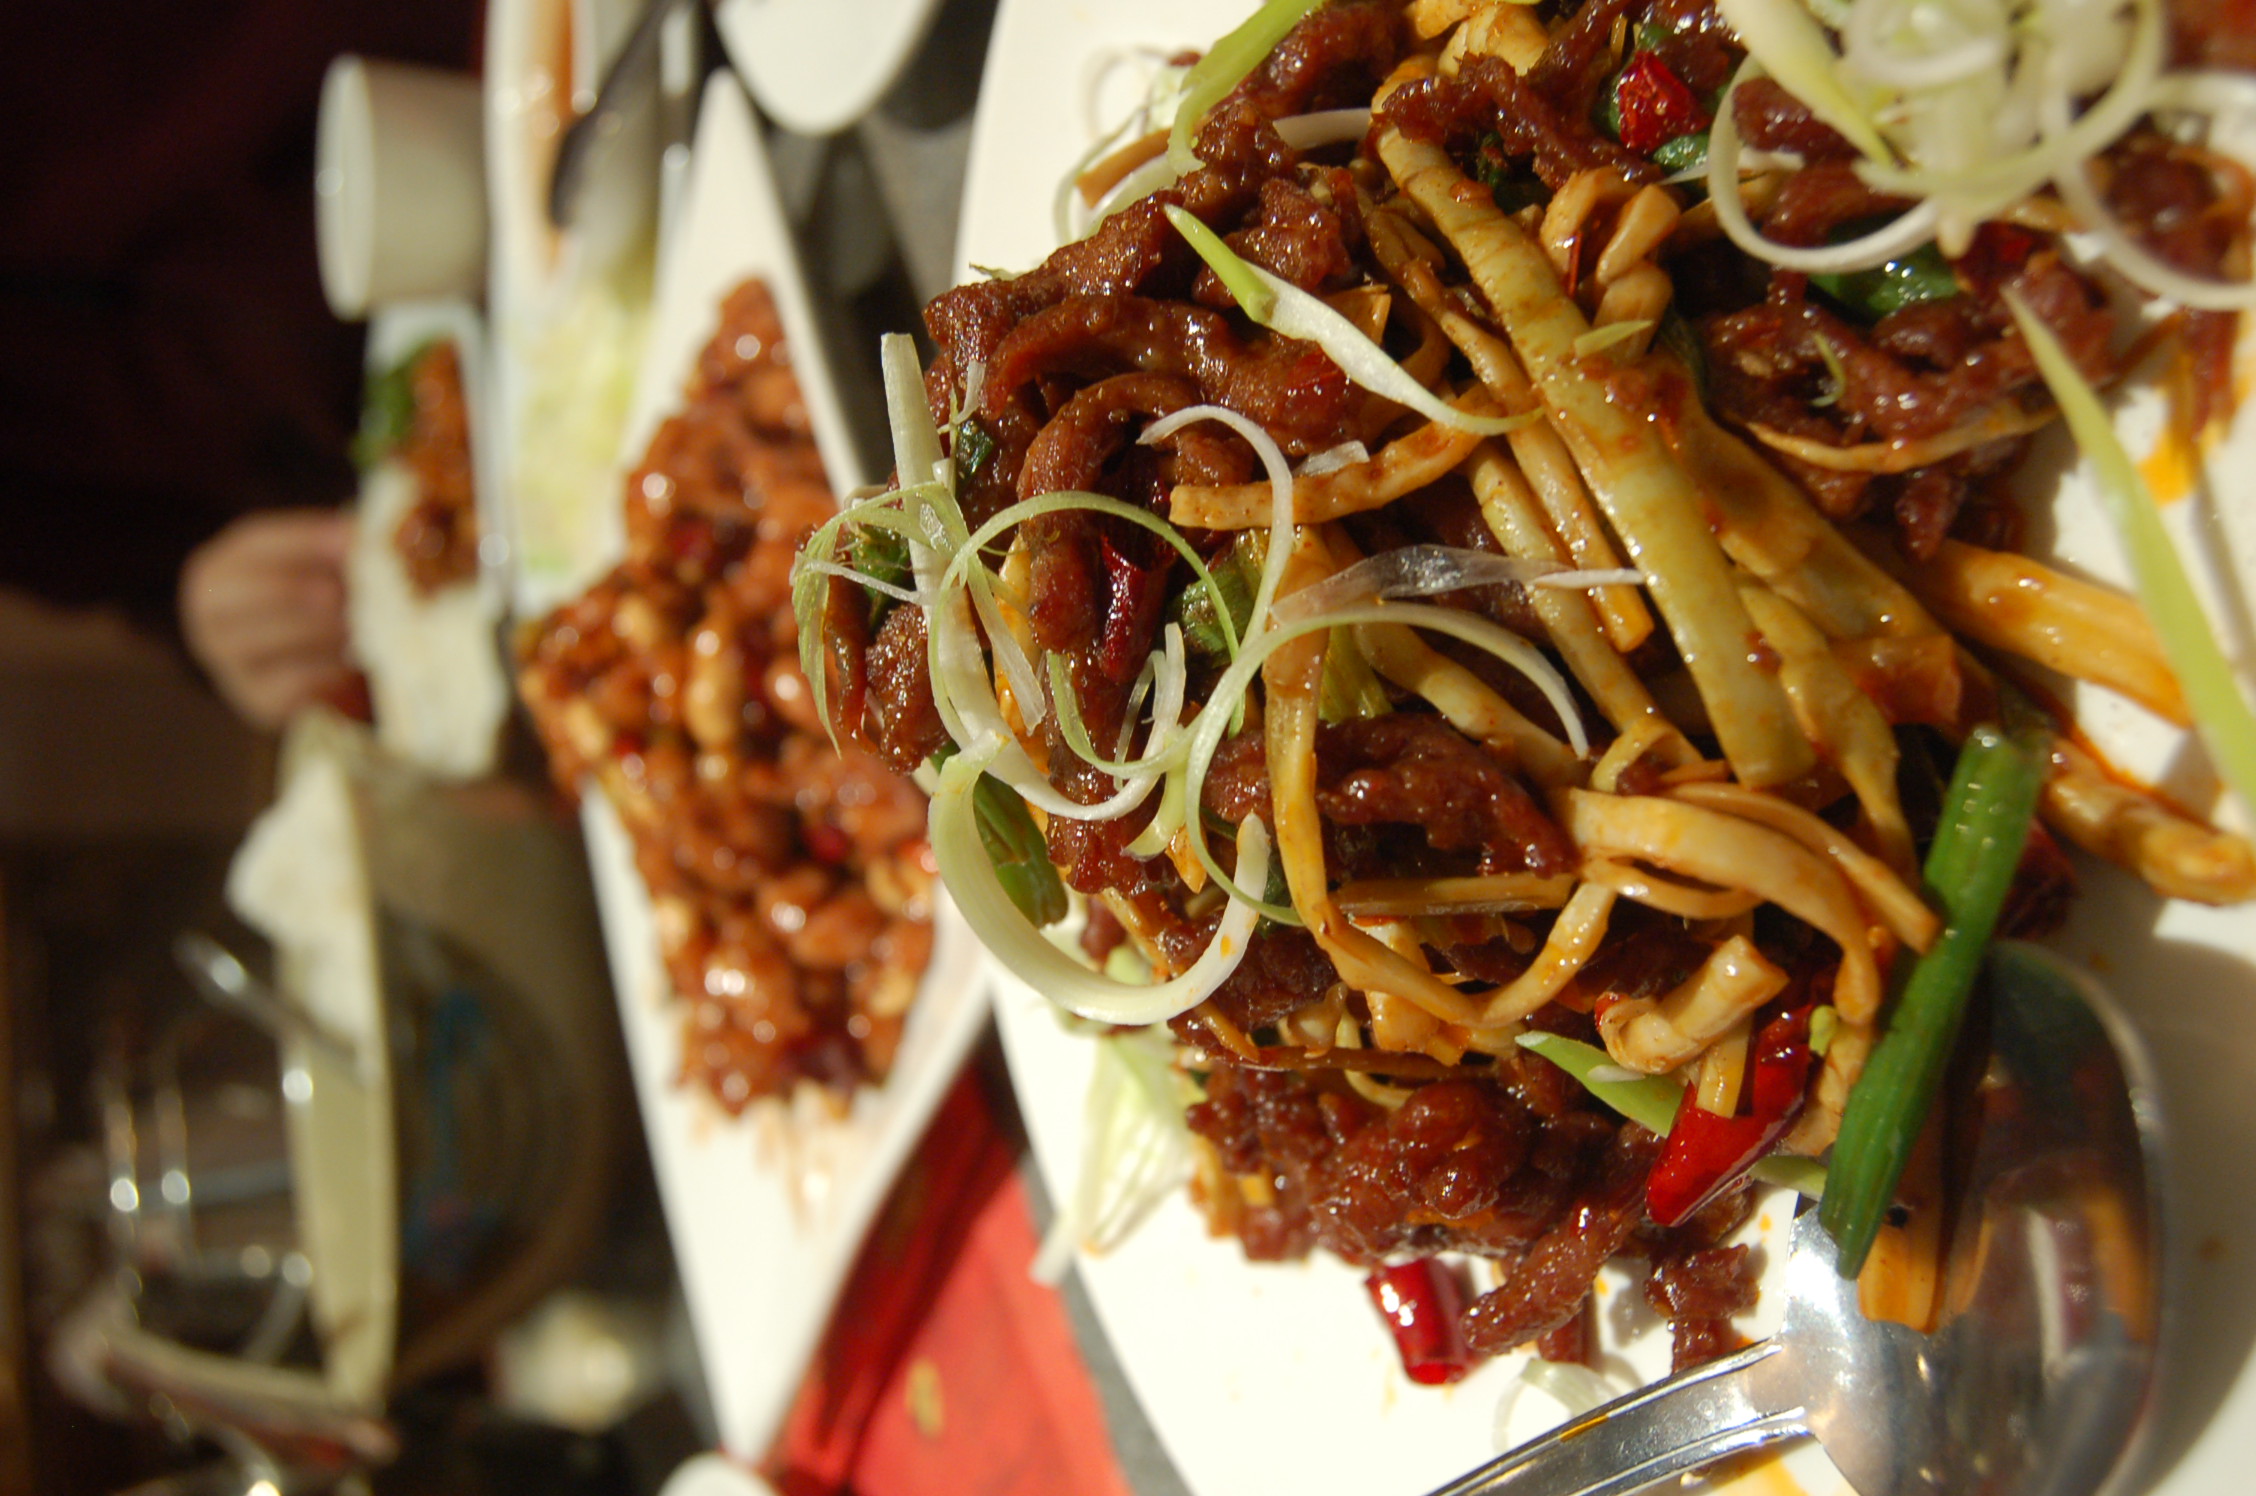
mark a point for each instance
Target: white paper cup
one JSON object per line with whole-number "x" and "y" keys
{"x": 399, "y": 185}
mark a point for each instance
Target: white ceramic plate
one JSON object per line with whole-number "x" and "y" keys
{"x": 817, "y": 66}
{"x": 766, "y": 1211}
{"x": 434, "y": 664}
{"x": 1280, "y": 1378}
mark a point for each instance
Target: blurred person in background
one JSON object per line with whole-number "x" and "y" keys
{"x": 176, "y": 401}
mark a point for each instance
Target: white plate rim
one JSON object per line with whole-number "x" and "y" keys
{"x": 817, "y": 66}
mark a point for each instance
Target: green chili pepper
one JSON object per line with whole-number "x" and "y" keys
{"x": 1685, "y": 153}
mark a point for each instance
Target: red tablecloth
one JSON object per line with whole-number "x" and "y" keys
{"x": 948, "y": 1371}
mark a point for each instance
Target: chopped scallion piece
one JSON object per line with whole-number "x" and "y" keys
{"x": 1223, "y": 67}
{"x": 2212, "y": 693}
{"x": 1986, "y": 816}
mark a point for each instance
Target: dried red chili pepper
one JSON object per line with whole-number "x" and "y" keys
{"x": 1138, "y": 592}
{"x": 1655, "y": 105}
{"x": 1423, "y": 1304}
{"x": 1706, "y": 1152}
{"x": 1995, "y": 256}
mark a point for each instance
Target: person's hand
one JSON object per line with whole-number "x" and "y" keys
{"x": 262, "y": 605}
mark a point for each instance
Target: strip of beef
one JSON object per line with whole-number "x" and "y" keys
{"x": 1487, "y": 98}
{"x": 2190, "y": 207}
{"x": 1414, "y": 769}
{"x": 1698, "y": 1293}
{"x": 1545, "y": 1287}
{"x": 1459, "y": 1166}
{"x": 1333, "y": 58}
{"x": 1795, "y": 364}
{"x": 1304, "y": 236}
{"x": 1288, "y": 386}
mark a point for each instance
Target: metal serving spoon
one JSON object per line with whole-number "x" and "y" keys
{"x": 2037, "y": 1381}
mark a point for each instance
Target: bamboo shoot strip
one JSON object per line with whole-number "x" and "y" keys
{"x": 1542, "y": 457}
{"x": 1513, "y": 517}
{"x": 2023, "y": 607}
{"x": 1848, "y": 728}
{"x": 1660, "y": 517}
{"x": 1772, "y": 530}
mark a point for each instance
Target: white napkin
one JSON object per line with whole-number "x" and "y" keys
{"x": 300, "y": 880}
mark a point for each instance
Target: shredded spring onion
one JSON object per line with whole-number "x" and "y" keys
{"x": 1794, "y": 49}
{"x": 861, "y": 579}
{"x": 1305, "y": 132}
{"x": 1135, "y": 1149}
{"x": 1883, "y": 244}
{"x": 2220, "y": 712}
{"x": 1599, "y": 339}
{"x": 1332, "y": 459}
{"x": 988, "y": 909}
{"x": 1284, "y": 308}
{"x": 1967, "y": 107}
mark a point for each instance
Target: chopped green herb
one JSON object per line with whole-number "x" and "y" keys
{"x": 387, "y": 411}
{"x": 1514, "y": 187}
{"x": 1237, "y": 571}
{"x": 974, "y": 445}
{"x": 1014, "y": 844}
{"x": 1685, "y": 153}
{"x": 1921, "y": 276}
{"x": 882, "y": 555}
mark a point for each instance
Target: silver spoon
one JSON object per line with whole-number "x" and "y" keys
{"x": 2038, "y": 1380}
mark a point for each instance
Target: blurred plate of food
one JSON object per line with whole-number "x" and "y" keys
{"x": 425, "y": 608}
{"x": 1223, "y": 1352}
{"x": 796, "y": 991}
{"x": 569, "y": 309}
